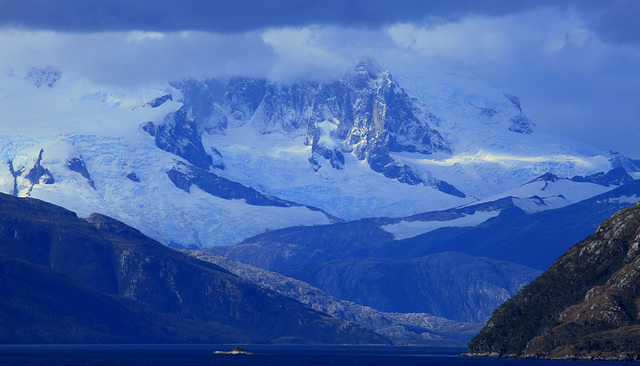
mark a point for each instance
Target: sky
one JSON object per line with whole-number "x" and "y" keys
{"x": 575, "y": 64}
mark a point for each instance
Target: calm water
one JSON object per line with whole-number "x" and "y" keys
{"x": 177, "y": 355}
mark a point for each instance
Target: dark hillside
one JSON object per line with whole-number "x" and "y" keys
{"x": 66, "y": 279}
{"x": 584, "y": 306}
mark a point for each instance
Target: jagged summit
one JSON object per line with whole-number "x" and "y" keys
{"x": 366, "y": 72}
{"x": 369, "y": 66}
{"x": 367, "y": 114}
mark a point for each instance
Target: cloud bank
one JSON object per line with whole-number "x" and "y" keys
{"x": 616, "y": 19}
{"x": 574, "y": 63}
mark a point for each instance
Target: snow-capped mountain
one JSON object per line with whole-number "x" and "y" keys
{"x": 338, "y": 183}
{"x": 211, "y": 162}
{"x": 83, "y": 147}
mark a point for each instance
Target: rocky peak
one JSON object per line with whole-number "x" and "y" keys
{"x": 366, "y": 74}
{"x": 366, "y": 113}
{"x": 369, "y": 67}
{"x": 630, "y": 165}
{"x": 179, "y": 135}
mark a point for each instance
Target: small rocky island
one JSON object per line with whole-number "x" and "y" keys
{"x": 586, "y": 306}
{"x": 235, "y": 351}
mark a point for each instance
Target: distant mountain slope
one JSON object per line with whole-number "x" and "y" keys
{"x": 361, "y": 262}
{"x": 584, "y": 306}
{"x": 534, "y": 240}
{"x": 451, "y": 285}
{"x": 498, "y": 229}
{"x": 67, "y": 280}
{"x": 413, "y": 328}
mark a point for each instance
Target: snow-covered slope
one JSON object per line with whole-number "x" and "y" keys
{"x": 546, "y": 192}
{"x": 211, "y": 162}
{"x": 45, "y": 130}
{"x": 496, "y": 147}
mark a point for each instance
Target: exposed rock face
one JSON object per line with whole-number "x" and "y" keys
{"x": 77, "y": 165}
{"x": 365, "y": 113}
{"x": 518, "y": 123}
{"x": 617, "y": 160}
{"x": 157, "y": 102}
{"x": 67, "y": 280}
{"x": 183, "y": 176}
{"x": 584, "y": 306}
{"x": 43, "y": 76}
{"x": 179, "y": 135}
{"x": 616, "y": 176}
{"x": 24, "y": 180}
{"x": 133, "y": 177}
{"x": 39, "y": 174}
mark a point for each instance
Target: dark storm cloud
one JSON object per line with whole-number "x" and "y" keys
{"x": 230, "y": 16}
{"x": 620, "y": 22}
{"x": 615, "y": 20}
{"x": 217, "y": 16}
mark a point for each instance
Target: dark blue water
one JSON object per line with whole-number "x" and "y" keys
{"x": 178, "y": 355}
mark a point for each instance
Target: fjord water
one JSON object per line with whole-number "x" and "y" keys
{"x": 265, "y": 355}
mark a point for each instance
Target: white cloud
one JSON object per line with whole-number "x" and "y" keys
{"x": 570, "y": 81}
{"x": 137, "y": 57}
{"x": 302, "y": 54}
{"x": 477, "y": 41}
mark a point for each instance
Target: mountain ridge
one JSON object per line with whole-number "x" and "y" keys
{"x": 402, "y": 328}
{"x": 71, "y": 280}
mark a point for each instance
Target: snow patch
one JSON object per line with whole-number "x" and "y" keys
{"x": 545, "y": 195}
{"x": 326, "y": 128}
{"x": 623, "y": 199}
{"x": 409, "y": 229}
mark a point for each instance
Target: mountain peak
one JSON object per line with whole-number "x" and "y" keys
{"x": 370, "y": 67}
